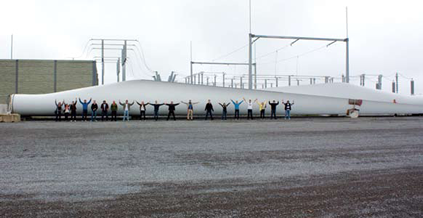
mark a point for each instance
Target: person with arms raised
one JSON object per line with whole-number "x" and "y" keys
{"x": 84, "y": 108}
{"x": 236, "y": 104}
{"x": 126, "y": 109}
{"x": 250, "y": 108}
{"x": 224, "y": 109}
{"x": 156, "y": 109}
{"x": 273, "y": 109}
{"x": 172, "y": 108}
{"x": 190, "y": 109}
{"x": 58, "y": 110}
{"x": 142, "y": 109}
{"x": 288, "y": 107}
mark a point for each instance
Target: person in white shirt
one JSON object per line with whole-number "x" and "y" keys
{"x": 142, "y": 109}
{"x": 250, "y": 108}
{"x": 126, "y": 108}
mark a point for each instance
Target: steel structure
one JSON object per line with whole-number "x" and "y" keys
{"x": 224, "y": 63}
{"x": 124, "y": 55}
{"x": 253, "y": 38}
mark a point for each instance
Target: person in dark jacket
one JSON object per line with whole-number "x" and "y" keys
{"x": 224, "y": 110}
{"x": 73, "y": 110}
{"x": 172, "y": 108}
{"x": 94, "y": 108}
{"x": 143, "y": 109}
{"x": 273, "y": 109}
{"x": 209, "y": 109}
{"x": 288, "y": 107}
{"x": 114, "y": 109}
{"x": 58, "y": 111}
{"x": 156, "y": 110}
{"x": 104, "y": 110}
{"x": 84, "y": 109}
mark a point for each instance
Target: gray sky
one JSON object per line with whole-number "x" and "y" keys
{"x": 385, "y": 35}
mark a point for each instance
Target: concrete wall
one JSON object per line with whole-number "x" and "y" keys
{"x": 8, "y": 79}
{"x": 44, "y": 76}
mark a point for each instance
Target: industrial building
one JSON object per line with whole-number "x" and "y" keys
{"x": 45, "y": 76}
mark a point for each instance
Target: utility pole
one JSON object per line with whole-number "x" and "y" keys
{"x": 124, "y": 59}
{"x": 11, "y": 47}
{"x": 396, "y": 82}
{"x": 347, "y": 56}
{"x": 102, "y": 62}
{"x": 250, "y": 60}
{"x": 118, "y": 69}
{"x": 412, "y": 86}
{"x": 190, "y": 49}
{"x": 379, "y": 81}
{"x": 202, "y": 75}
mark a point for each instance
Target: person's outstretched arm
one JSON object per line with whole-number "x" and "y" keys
{"x": 89, "y": 101}
{"x": 195, "y": 102}
{"x": 277, "y": 103}
{"x": 228, "y": 104}
{"x": 55, "y": 102}
{"x": 131, "y": 104}
{"x": 120, "y": 103}
{"x": 241, "y": 102}
{"x": 184, "y": 102}
{"x": 80, "y": 101}
{"x": 176, "y": 104}
{"x": 138, "y": 103}
{"x": 221, "y": 104}
{"x": 232, "y": 101}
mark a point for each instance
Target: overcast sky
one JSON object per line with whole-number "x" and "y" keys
{"x": 385, "y": 36}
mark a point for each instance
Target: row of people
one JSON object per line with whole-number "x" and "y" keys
{"x": 70, "y": 109}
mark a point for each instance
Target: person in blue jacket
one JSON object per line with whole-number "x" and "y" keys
{"x": 236, "y": 104}
{"x": 84, "y": 108}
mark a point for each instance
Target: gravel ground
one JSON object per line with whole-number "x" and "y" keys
{"x": 305, "y": 167}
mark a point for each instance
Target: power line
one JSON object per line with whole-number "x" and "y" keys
{"x": 230, "y": 53}
{"x": 277, "y": 50}
{"x": 143, "y": 56}
{"x": 297, "y": 56}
